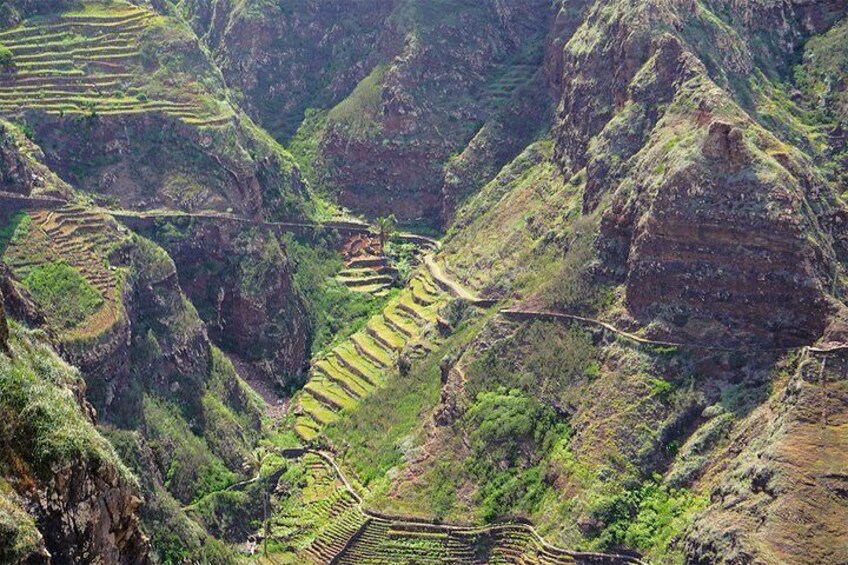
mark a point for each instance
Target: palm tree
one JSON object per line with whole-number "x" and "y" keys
{"x": 386, "y": 224}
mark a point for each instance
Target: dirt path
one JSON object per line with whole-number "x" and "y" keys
{"x": 453, "y": 287}
{"x": 519, "y": 314}
{"x": 409, "y": 520}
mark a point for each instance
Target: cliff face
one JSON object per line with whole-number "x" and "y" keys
{"x": 22, "y": 168}
{"x": 691, "y": 190}
{"x": 240, "y": 280}
{"x": 75, "y": 500}
{"x": 384, "y": 148}
{"x": 394, "y": 87}
{"x": 147, "y": 122}
{"x": 289, "y": 56}
{"x": 706, "y": 210}
{"x": 778, "y": 488}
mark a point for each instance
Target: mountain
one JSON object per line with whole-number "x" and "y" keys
{"x": 423, "y": 282}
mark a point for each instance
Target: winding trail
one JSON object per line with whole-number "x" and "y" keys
{"x": 468, "y": 529}
{"x": 456, "y": 289}
{"x": 518, "y": 314}
{"x": 453, "y": 287}
{"x": 343, "y": 226}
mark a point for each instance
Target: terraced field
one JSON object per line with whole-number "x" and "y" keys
{"x": 323, "y": 521}
{"x": 360, "y": 364}
{"x": 327, "y": 525}
{"x": 368, "y": 274}
{"x": 81, "y": 239}
{"x": 383, "y": 542}
{"x": 88, "y": 63}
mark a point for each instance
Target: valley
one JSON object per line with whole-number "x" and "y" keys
{"x": 404, "y": 282}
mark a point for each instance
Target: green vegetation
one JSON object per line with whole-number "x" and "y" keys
{"x": 336, "y": 311}
{"x": 19, "y": 536}
{"x": 502, "y": 425}
{"x": 650, "y": 518}
{"x": 6, "y": 58}
{"x": 358, "y": 115}
{"x": 545, "y": 359}
{"x": 43, "y": 427}
{"x": 175, "y": 538}
{"x": 373, "y": 438}
{"x": 304, "y": 145}
{"x": 14, "y": 230}
{"x": 66, "y": 296}
{"x": 191, "y": 469}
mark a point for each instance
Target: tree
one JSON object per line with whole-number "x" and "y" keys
{"x": 386, "y": 224}
{"x": 6, "y": 63}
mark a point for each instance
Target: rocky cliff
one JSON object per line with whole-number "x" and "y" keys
{"x": 67, "y": 497}
{"x": 394, "y": 90}
{"x": 240, "y": 280}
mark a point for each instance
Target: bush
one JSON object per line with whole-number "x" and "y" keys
{"x": 648, "y": 518}
{"x": 503, "y": 428}
{"x": 64, "y": 294}
{"x": 6, "y": 58}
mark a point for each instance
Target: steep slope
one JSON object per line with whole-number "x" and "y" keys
{"x": 65, "y": 495}
{"x": 386, "y": 93}
{"x": 633, "y": 336}
{"x": 172, "y": 402}
{"x": 168, "y": 400}
{"x": 135, "y": 89}
{"x": 285, "y": 58}
{"x": 688, "y": 193}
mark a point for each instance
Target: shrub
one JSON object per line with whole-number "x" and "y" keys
{"x": 648, "y": 518}
{"x": 503, "y": 427}
{"x": 6, "y": 58}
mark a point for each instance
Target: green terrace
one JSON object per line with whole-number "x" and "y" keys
{"x": 79, "y": 241}
{"x": 319, "y": 525}
{"x": 325, "y": 523}
{"x": 362, "y": 363}
{"x": 371, "y": 275}
{"x": 384, "y": 542}
{"x": 89, "y": 63}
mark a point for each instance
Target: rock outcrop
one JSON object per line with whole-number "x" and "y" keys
{"x": 241, "y": 282}
{"x": 778, "y": 489}
{"x": 22, "y": 168}
{"x": 88, "y": 514}
{"x": 705, "y": 218}
{"x": 290, "y": 56}
{"x": 81, "y": 499}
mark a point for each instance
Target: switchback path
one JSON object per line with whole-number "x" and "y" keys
{"x": 453, "y": 287}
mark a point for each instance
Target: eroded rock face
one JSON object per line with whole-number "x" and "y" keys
{"x": 240, "y": 280}
{"x": 182, "y": 168}
{"x": 88, "y": 515}
{"x": 293, "y": 55}
{"x": 430, "y": 102}
{"x": 719, "y": 241}
{"x": 21, "y": 166}
{"x": 778, "y": 489}
{"x": 85, "y": 509}
{"x": 703, "y": 216}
